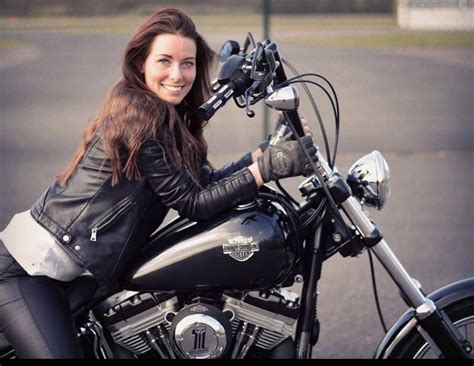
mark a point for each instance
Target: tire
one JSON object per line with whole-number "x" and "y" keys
{"x": 414, "y": 345}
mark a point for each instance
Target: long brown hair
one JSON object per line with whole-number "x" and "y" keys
{"x": 132, "y": 113}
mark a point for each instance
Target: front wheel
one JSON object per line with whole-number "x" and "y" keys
{"x": 414, "y": 345}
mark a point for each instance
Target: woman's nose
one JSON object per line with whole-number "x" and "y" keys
{"x": 175, "y": 73}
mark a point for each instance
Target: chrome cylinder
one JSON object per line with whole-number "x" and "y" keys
{"x": 384, "y": 254}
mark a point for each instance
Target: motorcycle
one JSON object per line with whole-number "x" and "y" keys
{"x": 225, "y": 288}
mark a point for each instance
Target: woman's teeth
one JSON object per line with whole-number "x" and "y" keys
{"x": 173, "y": 88}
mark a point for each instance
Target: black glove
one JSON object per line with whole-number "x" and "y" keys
{"x": 264, "y": 145}
{"x": 286, "y": 159}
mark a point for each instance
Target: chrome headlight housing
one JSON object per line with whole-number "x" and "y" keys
{"x": 369, "y": 179}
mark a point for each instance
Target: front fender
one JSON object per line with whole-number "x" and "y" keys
{"x": 442, "y": 297}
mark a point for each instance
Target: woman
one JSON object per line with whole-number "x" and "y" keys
{"x": 143, "y": 154}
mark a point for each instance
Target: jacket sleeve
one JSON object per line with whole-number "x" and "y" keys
{"x": 179, "y": 191}
{"x": 209, "y": 175}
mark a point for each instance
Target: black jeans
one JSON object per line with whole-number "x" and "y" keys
{"x": 35, "y": 315}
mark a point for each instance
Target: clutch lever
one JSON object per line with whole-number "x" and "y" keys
{"x": 248, "y": 95}
{"x": 258, "y": 86}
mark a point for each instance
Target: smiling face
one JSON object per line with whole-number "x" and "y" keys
{"x": 170, "y": 67}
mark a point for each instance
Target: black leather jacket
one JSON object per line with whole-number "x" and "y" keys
{"x": 103, "y": 227}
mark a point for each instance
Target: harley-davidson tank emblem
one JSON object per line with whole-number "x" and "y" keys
{"x": 240, "y": 247}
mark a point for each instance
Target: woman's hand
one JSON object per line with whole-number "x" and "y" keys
{"x": 264, "y": 145}
{"x": 286, "y": 159}
{"x": 306, "y": 128}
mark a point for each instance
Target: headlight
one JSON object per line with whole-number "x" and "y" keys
{"x": 369, "y": 179}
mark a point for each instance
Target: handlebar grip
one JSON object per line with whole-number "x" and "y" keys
{"x": 218, "y": 100}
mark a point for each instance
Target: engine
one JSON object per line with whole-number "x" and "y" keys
{"x": 154, "y": 325}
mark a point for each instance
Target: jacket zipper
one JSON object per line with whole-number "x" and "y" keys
{"x": 107, "y": 220}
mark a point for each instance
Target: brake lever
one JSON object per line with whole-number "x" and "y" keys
{"x": 248, "y": 95}
{"x": 256, "y": 86}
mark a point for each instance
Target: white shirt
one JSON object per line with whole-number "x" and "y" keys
{"x": 37, "y": 251}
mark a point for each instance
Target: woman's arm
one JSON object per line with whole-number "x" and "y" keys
{"x": 178, "y": 190}
{"x": 209, "y": 175}
{"x": 212, "y": 175}
{"x": 256, "y": 173}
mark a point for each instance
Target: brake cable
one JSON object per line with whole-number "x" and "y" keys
{"x": 336, "y": 109}
{"x": 315, "y": 109}
{"x": 374, "y": 286}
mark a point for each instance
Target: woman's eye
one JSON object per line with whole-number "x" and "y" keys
{"x": 189, "y": 64}
{"x": 164, "y": 61}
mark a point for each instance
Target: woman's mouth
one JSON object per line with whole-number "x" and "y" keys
{"x": 173, "y": 88}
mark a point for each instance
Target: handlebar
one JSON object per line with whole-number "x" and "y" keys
{"x": 235, "y": 80}
{"x": 220, "y": 98}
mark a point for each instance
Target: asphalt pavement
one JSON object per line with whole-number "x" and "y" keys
{"x": 414, "y": 106}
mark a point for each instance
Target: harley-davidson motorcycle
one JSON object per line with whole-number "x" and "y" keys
{"x": 225, "y": 288}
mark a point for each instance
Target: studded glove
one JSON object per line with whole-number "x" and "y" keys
{"x": 286, "y": 159}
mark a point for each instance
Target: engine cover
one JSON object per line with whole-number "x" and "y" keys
{"x": 155, "y": 325}
{"x": 201, "y": 331}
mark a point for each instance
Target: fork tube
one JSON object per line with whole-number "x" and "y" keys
{"x": 384, "y": 254}
{"x": 382, "y": 251}
{"x": 399, "y": 274}
{"x": 440, "y": 329}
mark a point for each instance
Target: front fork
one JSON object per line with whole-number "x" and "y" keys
{"x": 438, "y": 329}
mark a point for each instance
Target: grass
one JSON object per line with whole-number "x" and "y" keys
{"x": 219, "y": 24}
{"x": 401, "y": 39}
{"x": 331, "y": 31}
{"x": 9, "y": 43}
